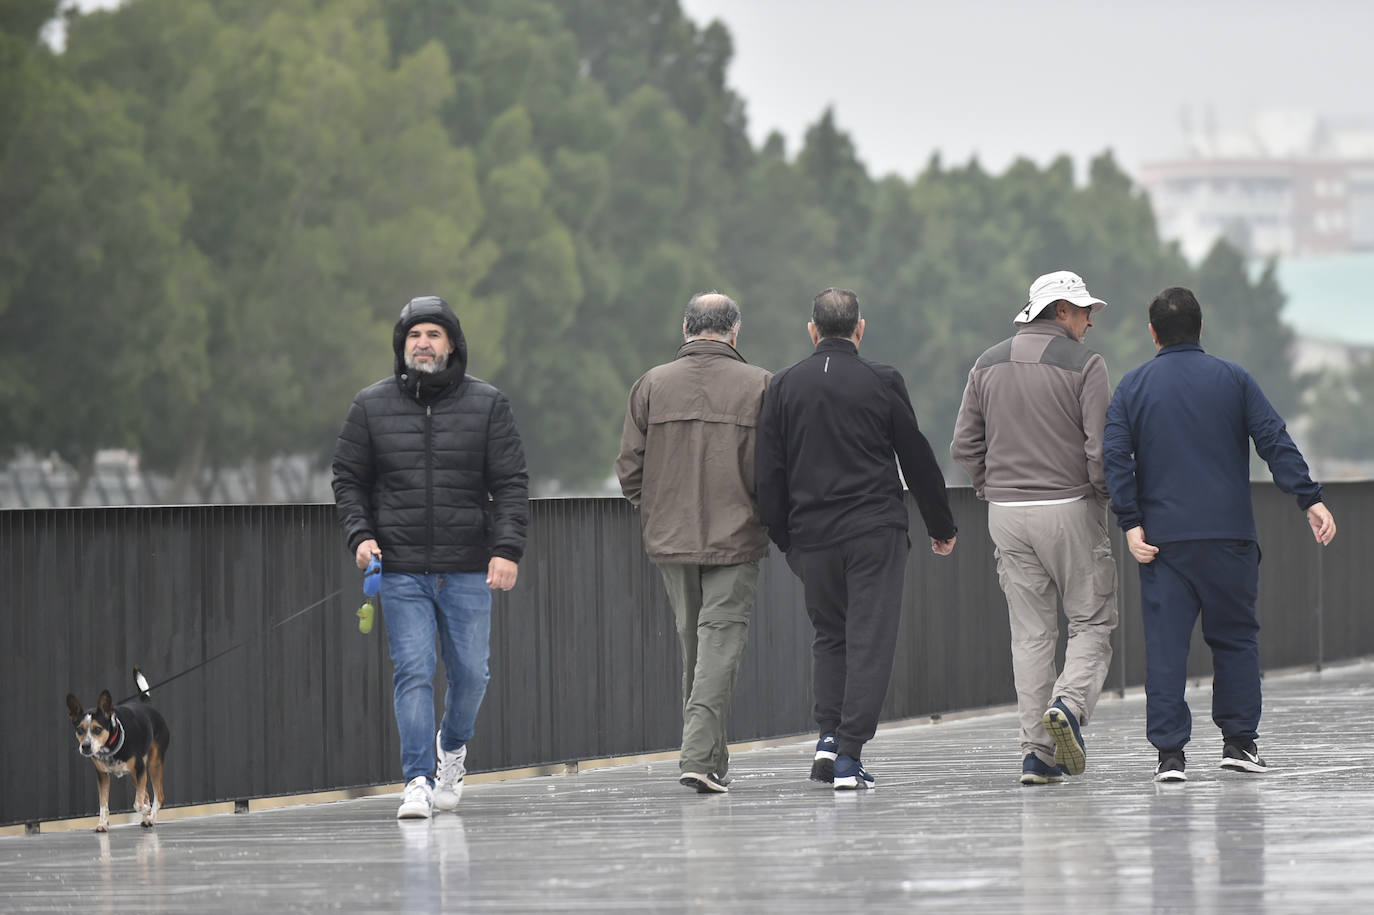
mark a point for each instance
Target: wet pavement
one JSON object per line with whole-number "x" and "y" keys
{"x": 947, "y": 828}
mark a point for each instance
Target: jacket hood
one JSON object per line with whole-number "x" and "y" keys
{"x": 433, "y": 309}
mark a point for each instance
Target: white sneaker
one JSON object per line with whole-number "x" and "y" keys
{"x": 417, "y": 802}
{"x": 449, "y": 784}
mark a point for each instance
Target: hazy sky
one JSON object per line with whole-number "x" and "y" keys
{"x": 1037, "y": 78}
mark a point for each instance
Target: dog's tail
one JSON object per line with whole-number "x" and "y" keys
{"x": 144, "y": 693}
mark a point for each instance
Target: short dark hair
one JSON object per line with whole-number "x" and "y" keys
{"x": 835, "y": 312}
{"x": 710, "y": 313}
{"x": 1176, "y": 316}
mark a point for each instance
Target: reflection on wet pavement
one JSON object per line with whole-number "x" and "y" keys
{"x": 948, "y": 828}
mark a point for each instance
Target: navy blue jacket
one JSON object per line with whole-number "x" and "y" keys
{"x": 1177, "y": 448}
{"x": 824, "y": 458}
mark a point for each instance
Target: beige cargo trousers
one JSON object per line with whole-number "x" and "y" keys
{"x": 1048, "y": 555}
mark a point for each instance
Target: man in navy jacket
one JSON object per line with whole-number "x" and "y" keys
{"x": 1177, "y": 459}
{"x": 830, "y": 496}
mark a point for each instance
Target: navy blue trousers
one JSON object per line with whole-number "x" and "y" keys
{"x": 1220, "y": 579}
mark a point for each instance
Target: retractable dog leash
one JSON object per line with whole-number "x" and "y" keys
{"x": 143, "y": 683}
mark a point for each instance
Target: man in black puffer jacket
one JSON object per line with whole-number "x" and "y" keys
{"x": 429, "y": 477}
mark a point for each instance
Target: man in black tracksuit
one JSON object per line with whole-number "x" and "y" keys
{"x": 830, "y": 496}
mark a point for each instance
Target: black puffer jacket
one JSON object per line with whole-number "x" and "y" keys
{"x": 431, "y": 466}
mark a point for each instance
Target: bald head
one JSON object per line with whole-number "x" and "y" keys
{"x": 710, "y": 314}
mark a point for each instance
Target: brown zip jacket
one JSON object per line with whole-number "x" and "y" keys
{"x": 687, "y": 456}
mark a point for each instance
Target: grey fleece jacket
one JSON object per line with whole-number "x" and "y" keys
{"x": 1032, "y": 419}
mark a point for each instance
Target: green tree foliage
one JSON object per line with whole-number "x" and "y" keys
{"x": 1241, "y": 323}
{"x": 27, "y": 79}
{"x": 93, "y": 262}
{"x": 1342, "y": 412}
{"x": 605, "y": 135}
{"x": 839, "y": 183}
{"x": 776, "y": 252}
{"x": 217, "y": 208}
{"x": 323, "y": 191}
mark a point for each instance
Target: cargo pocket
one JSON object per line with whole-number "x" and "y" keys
{"x": 1104, "y": 569}
{"x": 1001, "y": 568}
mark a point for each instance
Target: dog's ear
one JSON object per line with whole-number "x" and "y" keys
{"x": 74, "y": 708}
{"x": 106, "y": 703}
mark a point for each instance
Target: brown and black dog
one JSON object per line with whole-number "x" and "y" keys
{"x": 121, "y": 740}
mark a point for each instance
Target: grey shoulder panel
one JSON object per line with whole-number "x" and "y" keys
{"x": 994, "y": 356}
{"x": 1066, "y": 354}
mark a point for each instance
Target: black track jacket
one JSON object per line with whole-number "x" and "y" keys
{"x": 827, "y": 435}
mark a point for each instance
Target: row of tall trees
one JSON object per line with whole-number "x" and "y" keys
{"x": 211, "y": 212}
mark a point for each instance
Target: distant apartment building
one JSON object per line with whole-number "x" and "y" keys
{"x": 1292, "y": 184}
{"x": 1298, "y": 187}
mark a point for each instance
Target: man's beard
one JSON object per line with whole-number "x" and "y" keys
{"x": 428, "y": 368}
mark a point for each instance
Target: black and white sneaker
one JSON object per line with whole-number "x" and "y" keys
{"x": 702, "y": 783}
{"x": 1171, "y": 767}
{"x": 823, "y": 767}
{"x": 1242, "y": 757}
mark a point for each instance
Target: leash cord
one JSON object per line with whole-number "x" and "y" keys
{"x": 330, "y": 596}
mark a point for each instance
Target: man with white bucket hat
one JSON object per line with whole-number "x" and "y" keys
{"x": 1029, "y": 433}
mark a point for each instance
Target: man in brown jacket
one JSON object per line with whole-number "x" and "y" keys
{"x": 1029, "y": 433}
{"x": 687, "y": 463}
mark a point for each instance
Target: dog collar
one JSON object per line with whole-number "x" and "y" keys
{"x": 118, "y": 738}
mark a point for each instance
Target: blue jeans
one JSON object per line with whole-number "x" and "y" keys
{"x": 457, "y": 607}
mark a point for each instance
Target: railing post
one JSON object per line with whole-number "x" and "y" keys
{"x": 1119, "y": 553}
{"x": 1321, "y": 610}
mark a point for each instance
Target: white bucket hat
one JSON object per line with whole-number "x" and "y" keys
{"x": 1052, "y": 287}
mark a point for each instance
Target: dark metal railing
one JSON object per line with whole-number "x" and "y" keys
{"x": 584, "y": 654}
